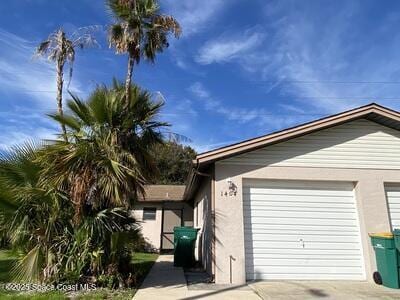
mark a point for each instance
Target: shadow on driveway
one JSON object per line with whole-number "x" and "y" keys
{"x": 322, "y": 289}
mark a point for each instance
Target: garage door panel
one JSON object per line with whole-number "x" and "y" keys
{"x": 254, "y": 222}
{"x": 317, "y": 270}
{"x": 305, "y": 252}
{"x": 395, "y": 207}
{"x": 301, "y": 214}
{"x": 301, "y": 232}
{"x": 395, "y": 214}
{"x": 301, "y": 262}
{"x": 302, "y": 228}
{"x": 287, "y": 191}
{"x": 300, "y": 207}
{"x": 295, "y": 245}
{"x": 394, "y": 190}
{"x": 393, "y": 200}
{"x": 280, "y": 216}
{"x": 295, "y": 197}
{"x": 260, "y": 184}
{"x": 307, "y": 239}
{"x": 302, "y": 256}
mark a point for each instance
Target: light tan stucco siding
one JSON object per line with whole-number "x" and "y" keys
{"x": 151, "y": 229}
{"x": 370, "y": 198}
{"x": 203, "y": 221}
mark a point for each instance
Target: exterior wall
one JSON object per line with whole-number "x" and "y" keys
{"x": 361, "y": 152}
{"x": 203, "y": 221}
{"x": 357, "y": 144}
{"x": 151, "y": 229}
{"x": 370, "y": 198}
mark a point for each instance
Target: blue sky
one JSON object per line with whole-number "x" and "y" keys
{"x": 241, "y": 68}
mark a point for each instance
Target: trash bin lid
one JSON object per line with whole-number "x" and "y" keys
{"x": 384, "y": 235}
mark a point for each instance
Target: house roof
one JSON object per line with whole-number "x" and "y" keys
{"x": 373, "y": 112}
{"x": 157, "y": 193}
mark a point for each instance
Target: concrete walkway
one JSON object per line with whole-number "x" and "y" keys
{"x": 168, "y": 282}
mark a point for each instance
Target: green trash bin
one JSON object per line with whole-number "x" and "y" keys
{"x": 184, "y": 244}
{"x": 386, "y": 260}
{"x": 396, "y": 234}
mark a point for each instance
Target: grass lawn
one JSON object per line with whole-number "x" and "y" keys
{"x": 6, "y": 261}
{"x": 142, "y": 262}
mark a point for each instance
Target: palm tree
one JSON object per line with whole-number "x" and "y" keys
{"x": 103, "y": 168}
{"x": 60, "y": 49}
{"x": 38, "y": 223}
{"x": 108, "y": 158}
{"x": 140, "y": 31}
{"x": 34, "y": 214}
{"x": 66, "y": 203}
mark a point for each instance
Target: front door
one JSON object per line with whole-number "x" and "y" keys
{"x": 170, "y": 219}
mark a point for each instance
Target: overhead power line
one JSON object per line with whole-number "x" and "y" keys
{"x": 249, "y": 114}
{"x": 267, "y": 98}
{"x": 326, "y": 81}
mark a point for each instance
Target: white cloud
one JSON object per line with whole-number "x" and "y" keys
{"x": 29, "y": 87}
{"x": 259, "y": 117}
{"x": 199, "y": 90}
{"x": 194, "y": 15}
{"x": 16, "y": 136}
{"x": 227, "y": 48}
{"x": 210, "y": 145}
{"x": 292, "y": 108}
{"x": 180, "y": 114}
{"x": 23, "y": 125}
{"x": 19, "y": 73}
{"x": 315, "y": 55}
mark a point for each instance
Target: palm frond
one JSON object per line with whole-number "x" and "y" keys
{"x": 43, "y": 47}
{"x": 140, "y": 30}
{"x": 68, "y": 121}
{"x": 119, "y": 9}
{"x": 80, "y": 109}
{"x": 29, "y": 268}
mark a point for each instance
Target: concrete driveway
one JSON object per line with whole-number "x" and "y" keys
{"x": 168, "y": 282}
{"x": 322, "y": 290}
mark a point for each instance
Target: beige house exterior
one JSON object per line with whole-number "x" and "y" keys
{"x": 159, "y": 212}
{"x": 299, "y": 203}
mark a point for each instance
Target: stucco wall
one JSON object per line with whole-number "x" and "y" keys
{"x": 370, "y": 198}
{"x": 203, "y": 221}
{"x": 151, "y": 229}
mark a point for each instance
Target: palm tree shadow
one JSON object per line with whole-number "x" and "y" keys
{"x": 318, "y": 293}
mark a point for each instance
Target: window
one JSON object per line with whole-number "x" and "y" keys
{"x": 149, "y": 213}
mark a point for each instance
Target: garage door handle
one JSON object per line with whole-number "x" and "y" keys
{"x": 302, "y": 242}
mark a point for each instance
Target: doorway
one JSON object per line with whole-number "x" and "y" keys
{"x": 171, "y": 217}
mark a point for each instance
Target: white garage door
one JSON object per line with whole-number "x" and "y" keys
{"x": 393, "y": 199}
{"x": 301, "y": 230}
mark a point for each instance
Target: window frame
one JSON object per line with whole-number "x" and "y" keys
{"x": 149, "y": 213}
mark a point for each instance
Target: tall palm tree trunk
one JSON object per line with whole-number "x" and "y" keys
{"x": 129, "y": 78}
{"x": 60, "y": 82}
